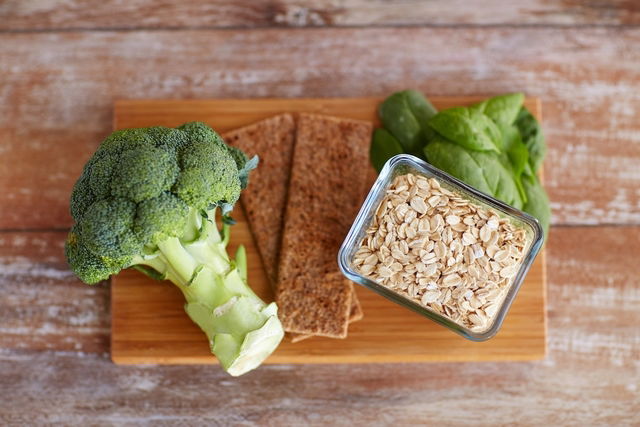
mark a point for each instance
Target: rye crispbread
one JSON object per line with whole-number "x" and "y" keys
{"x": 265, "y": 198}
{"x": 326, "y": 188}
{"x": 355, "y": 314}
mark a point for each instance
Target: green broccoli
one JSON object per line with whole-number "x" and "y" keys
{"x": 147, "y": 199}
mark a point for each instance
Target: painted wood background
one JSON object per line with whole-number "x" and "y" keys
{"x": 63, "y": 62}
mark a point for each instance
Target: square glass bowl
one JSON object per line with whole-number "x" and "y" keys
{"x": 403, "y": 164}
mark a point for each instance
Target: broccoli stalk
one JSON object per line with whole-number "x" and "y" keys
{"x": 242, "y": 330}
{"x": 147, "y": 199}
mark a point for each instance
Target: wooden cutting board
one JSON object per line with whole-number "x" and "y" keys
{"x": 149, "y": 325}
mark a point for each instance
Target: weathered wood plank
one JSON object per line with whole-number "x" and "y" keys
{"x": 138, "y": 14}
{"x": 42, "y": 304}
{"x": 80, "y": 389}
{"x": 56, "y": 93}
{"x": 593, "y": 297}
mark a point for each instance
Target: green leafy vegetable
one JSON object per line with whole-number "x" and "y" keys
{"x": 420, "y": 106}
{"x": 517, "y": 156}
{"x": 458, "y": 162}
{"x": 496, "y": 145}
{"x": 532, "y": 137}
{"x": 405, "y": 115}
{"x": 537, "y": 202}
{"x": 469, "y": 128}
{"x": 515, "y": 149}
{"x": 147, "y": 199}
{"x": 502, "y": 109}
{"x": 481, "y": 170}
{"x": 383, "y": 147}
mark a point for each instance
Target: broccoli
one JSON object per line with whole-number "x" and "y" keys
{"x": 147, "y": 199}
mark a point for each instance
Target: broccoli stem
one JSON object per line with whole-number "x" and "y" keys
{"x": 180, "y": 262}
{"x": 242, "y": 329}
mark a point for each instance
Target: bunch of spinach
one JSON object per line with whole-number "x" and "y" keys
{"x": 496, "y": 146}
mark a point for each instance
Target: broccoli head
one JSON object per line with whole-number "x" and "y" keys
{"x": 147, "y": 199}
{"x": 139, "y": 186}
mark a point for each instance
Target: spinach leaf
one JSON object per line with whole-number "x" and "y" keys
{"x": 502, "y": 109}
{"x": 532, "y": 137}
{"x": 528, "y": 171}
{"x": 469, "y": 128}
{"x": 517, "y": 156}
{"x": 457, "y": 161}
{"x": 420, "y": 106}
{"x": 537, "y": 202}
{"x": 496, "y": 146}
{"x": 405, "y": 114}
{"x": 423, "y": 110}
{"x": 481, "y": 170}
{"x": 383, "y": 147}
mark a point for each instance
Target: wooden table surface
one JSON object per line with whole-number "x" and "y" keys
{"x": 63, "y": 62}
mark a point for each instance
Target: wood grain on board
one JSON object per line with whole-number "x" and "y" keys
{"x": 228, "y": 114}
{"x": 146, "y": 14}
{"x": 387, "y": 333}
{"x": 58, "y": 89}
{"x": 589, "y": 376}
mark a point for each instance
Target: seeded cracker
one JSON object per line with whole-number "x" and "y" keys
{"x": 327, "y": 185}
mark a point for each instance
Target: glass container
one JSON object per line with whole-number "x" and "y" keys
{"x": 404, "y": 164}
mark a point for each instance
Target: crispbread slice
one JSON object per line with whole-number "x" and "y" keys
{"x": 355, "y": 314}
{"x": 264, "y": 200}
{"x": 326, "y": 188}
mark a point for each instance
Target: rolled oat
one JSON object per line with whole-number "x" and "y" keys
{"x": 441, "y": 250}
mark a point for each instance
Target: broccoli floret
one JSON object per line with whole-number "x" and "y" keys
{"x": 161, "y": 217}
{"x": 244, "y": 164}
{"x": 239, "y": 157}
{"x": 88, "y": 267}
{"x": 81, "y": 197}
{"x": 200, "y": 132}
{"x": 210, "y": 175}
{"x": 106, "y": 229}
{"x": 147, "y": 199}
{"x": 100, "y": 172}
{"x": 121, "y": 140}
{"x": 160, "y": 135}
{"x": 168, "y": 139}
{"x": 141, "y": 175}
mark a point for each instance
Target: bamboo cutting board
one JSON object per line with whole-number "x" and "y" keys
{"x": 149, "y": 324}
